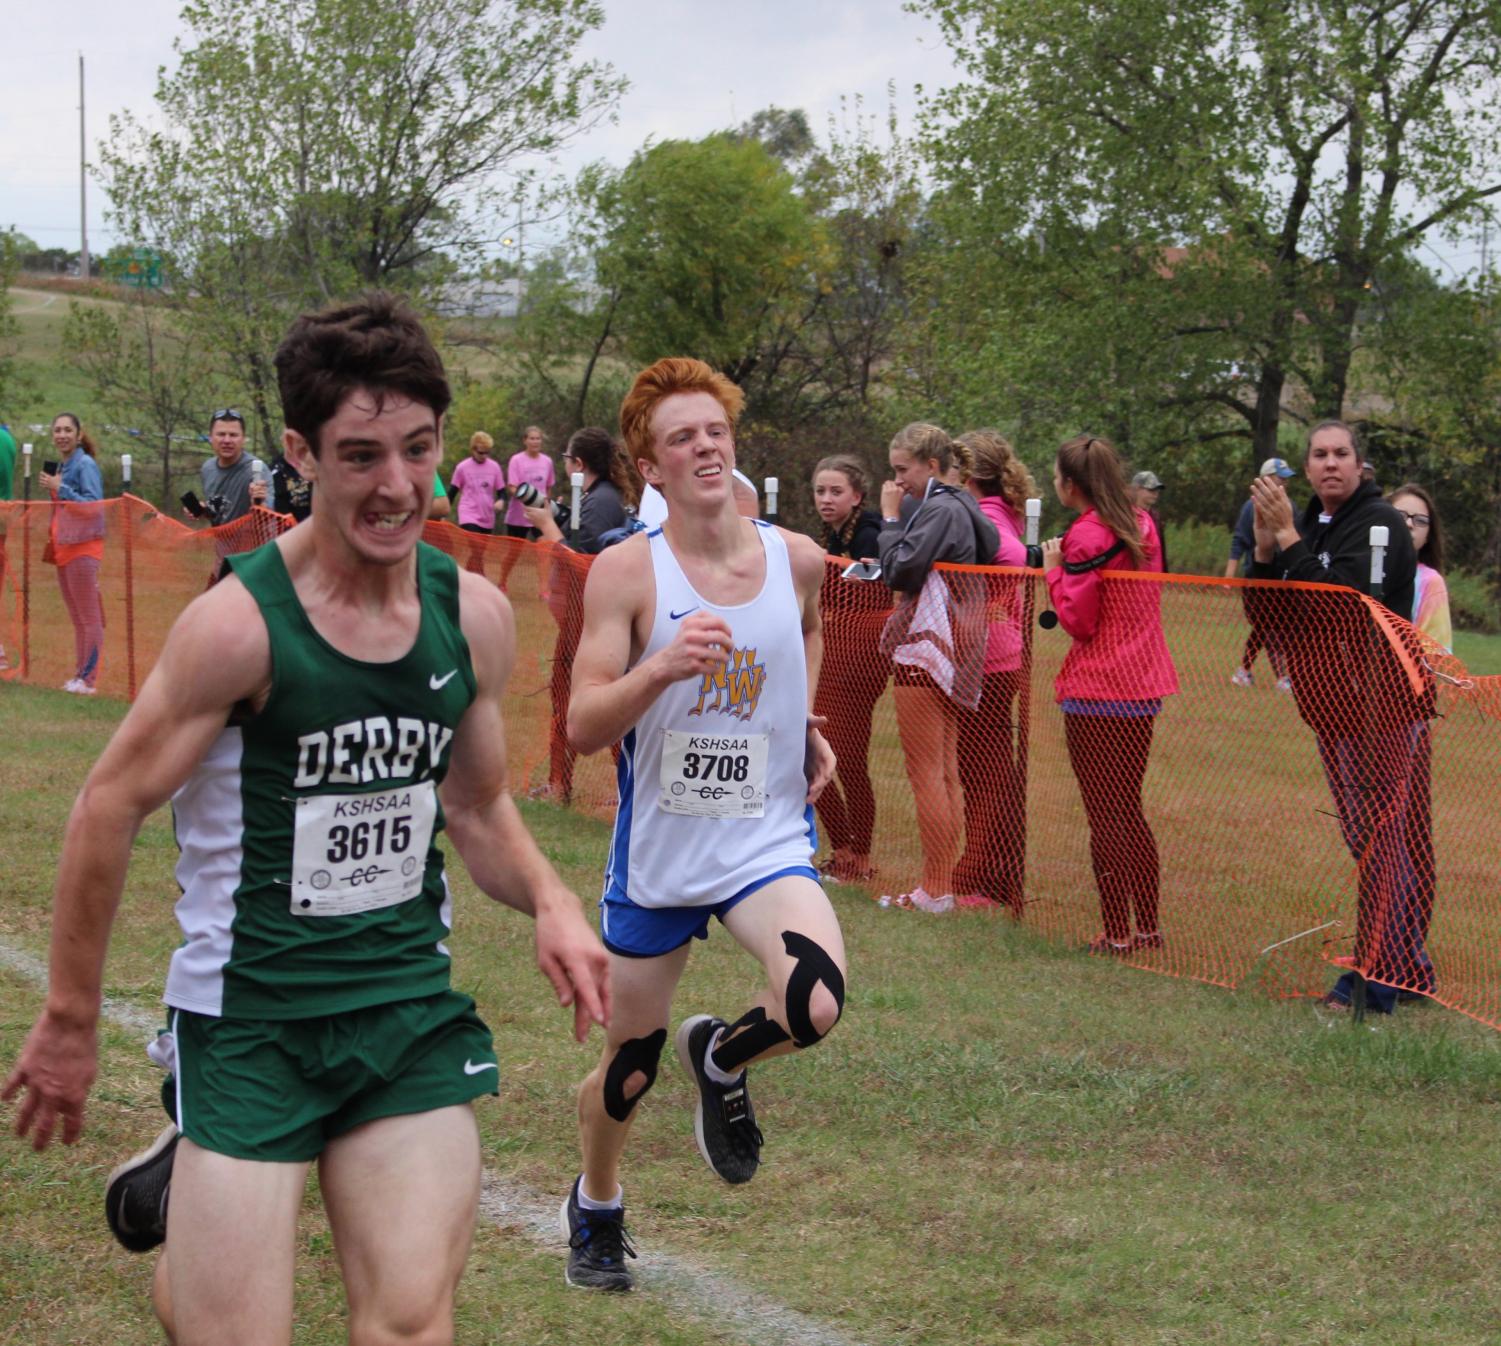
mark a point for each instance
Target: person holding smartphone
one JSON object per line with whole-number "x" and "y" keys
{"x": 76, "y": 543}
{"x": 854, "y": 672}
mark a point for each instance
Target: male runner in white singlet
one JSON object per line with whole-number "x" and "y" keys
{"x": 700, "y": 653}
{"x": 317, "y": 718}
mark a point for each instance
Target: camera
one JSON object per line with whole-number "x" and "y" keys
{"x": 528, "y": 494}
{"x": 52, "y": 467}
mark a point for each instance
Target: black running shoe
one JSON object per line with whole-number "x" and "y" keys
{"x": 135, "y": 1197}
{"x": 724, "y": 1121}
{"x": 597, "y": 1245}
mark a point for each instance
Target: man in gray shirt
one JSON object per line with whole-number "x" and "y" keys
{"x": 233, "y": 480}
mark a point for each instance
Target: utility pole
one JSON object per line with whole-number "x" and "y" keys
{"x": 83, "y": 184}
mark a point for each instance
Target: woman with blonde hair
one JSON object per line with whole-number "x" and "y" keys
{"x": 1113, "y": 680}
{"x": 990, "y": 872}
{"x": 935, "y": 637}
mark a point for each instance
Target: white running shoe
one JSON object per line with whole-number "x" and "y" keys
{"x": 1284, "y": 683}
{"x": 71, "y": 685}
{"x": 83, "y": 689}
{"x": 1242, "y": 678}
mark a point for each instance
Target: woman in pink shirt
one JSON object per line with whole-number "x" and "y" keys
{"x": 476, "y": 482}
{"x": 531, "y": 465}
{"x": 1112, "y": 681}
{"x": 990, "y": 871}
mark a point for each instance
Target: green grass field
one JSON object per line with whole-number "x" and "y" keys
{"x": 1004, "y": 1141}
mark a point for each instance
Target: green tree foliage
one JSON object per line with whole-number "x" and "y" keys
{"x": 152, "y": 375}
{"x": 10, "y": 329}
{"x": 304, "y": 149}
{"x": 1164, "y": 221}
{"x": 712, "y": 252}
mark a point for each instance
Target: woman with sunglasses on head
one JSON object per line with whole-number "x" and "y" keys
{"x": 1430, "y": 596}
{"x": 76, "y": 544}
{"x": 935, "y": 637}
{"x": 1113, "y": 679}
{"x": 854, "y": 672}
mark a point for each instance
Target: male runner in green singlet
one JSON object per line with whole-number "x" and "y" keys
{"x": 317, "y": 718}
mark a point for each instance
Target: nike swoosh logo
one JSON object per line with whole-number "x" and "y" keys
{"x": 437, "y": 683}
{"x": 675, "y": 615}
{"x": 471, "y": 1069}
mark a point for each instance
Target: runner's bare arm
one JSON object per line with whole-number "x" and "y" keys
{"x": 216, "y": 655}
{"x": 488, "y": 831}
{"x": 607, "y": 699}
{"x": 808, "y": 565}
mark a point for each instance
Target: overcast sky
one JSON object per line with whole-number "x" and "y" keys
{"x": 694, "y": 66}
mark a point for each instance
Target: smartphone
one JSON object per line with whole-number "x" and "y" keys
{"x": 52, "y": 467}
{"x": 863, "y": 570}
{"x": 192, "y": 504}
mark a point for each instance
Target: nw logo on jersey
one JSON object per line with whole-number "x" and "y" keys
{"x": 437, "y": 683}
{"x": 734, "y": 689}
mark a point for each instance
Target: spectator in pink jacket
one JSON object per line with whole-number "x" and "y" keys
{"x": 990, "y": 872}
{"x": 1113, "y": 679}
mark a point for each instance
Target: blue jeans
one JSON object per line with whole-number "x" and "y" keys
{"x": 1381, "y": 787}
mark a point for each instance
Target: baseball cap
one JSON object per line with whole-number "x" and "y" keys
{"x": 1276, "y": 466}
{"x": 1148, "y": 481}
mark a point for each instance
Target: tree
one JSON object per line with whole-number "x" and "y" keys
{"x": 1170, "y": 215}
{"x": 711, "y": 251}
{"x": 310, "y": 148}
{"x": 10, "y": 329}
{"x": 148, "y": 369}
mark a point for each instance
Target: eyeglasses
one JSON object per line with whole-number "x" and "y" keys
{"x": 226, "y": 414}
{"x": 1415, "y": 520}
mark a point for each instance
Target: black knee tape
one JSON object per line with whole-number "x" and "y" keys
{"x": 813, "y": 966}
{"x": 635, "y": 1055}
{"x": 747, "y": 1037}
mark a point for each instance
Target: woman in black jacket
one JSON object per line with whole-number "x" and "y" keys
{"x": 935, "y": 636}
{"x": 609, "y": 493}
{"x": 854, "y": 671}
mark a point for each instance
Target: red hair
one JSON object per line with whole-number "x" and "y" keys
{"x": 666, "y": 378}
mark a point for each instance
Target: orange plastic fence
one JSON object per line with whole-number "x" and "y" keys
{"x": 1351, "y": 817}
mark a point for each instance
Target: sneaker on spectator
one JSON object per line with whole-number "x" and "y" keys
{"x": 1149, "y": 939}
{"x": 71, "y": 685}
{"x": 81, "y": 688}
{"x": 1284, "y": 683}
{"x": 1242, "y": 678}
{"x": 597, "y": 1245}
{"x": 135, "y": 1197}
{"x": 724, "y": 1122}
{"x": 1105, "y": 945}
